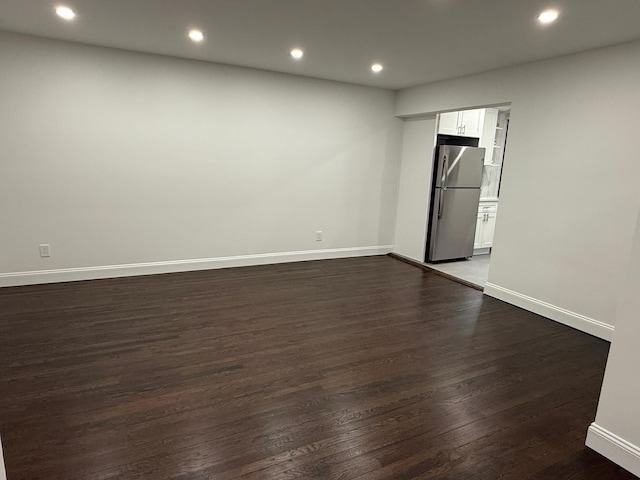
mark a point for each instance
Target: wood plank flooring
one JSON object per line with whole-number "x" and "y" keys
{"x": 364, "y": 368}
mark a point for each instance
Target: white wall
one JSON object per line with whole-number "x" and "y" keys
{"x": 616, "y": 431}
{"x": 415, "y": 185}
{"x": 116, "y": 157}
{"x": 570, "y": 181}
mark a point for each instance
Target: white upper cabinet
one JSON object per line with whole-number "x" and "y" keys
{"x": 448, "y": 124}
{"x": 466, "y": 123}
{"x": 471, "y": 122}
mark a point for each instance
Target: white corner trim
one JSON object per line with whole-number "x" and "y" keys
{"x": 111, "y": 271}
{"x": 3, "y": 472}
{"x": 615, "y": 448}
{"x": 572, "y": 319}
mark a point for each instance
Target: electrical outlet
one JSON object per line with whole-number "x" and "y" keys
{"x": 45, "y": 250}
{"x": 319, "y": 236}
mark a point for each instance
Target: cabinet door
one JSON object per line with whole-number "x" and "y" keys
{"x": 487, "y": 230}
{"x": 448, "y": 124}
{"x": 471, "y": 122}
{"x": 477, "y": 241}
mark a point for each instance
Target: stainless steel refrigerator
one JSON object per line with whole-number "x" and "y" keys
{"x": 454, "y": 209}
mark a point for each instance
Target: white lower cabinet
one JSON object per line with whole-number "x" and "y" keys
{"x": 479, "y": 229}
{"x": 485, "y": 225}
{"x": 487, "y": 232}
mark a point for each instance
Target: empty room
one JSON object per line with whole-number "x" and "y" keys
{"x": 226, "y": 229}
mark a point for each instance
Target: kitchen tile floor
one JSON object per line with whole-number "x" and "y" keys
{"x": 474, "y": 270}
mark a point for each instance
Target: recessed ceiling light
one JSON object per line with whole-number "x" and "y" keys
{"x": 65, "y": 12}
{"x": 196, "y": 35}
{"x": 296, "y": 53}
{"x": 548, "y": 16}
{"x": 377, "y": 67}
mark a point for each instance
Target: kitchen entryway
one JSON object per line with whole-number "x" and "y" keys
{"x": 488, "y": 128}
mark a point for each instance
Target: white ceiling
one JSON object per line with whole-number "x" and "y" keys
{"x": 418, "y": 41}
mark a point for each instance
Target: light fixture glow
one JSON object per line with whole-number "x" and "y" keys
{"x": 548, "y": 16}
{"x": 196, "y": 36}
{"x": 296, "y": 53}
{"x": 376, "y": 68}
{"x": 65, "y": 12}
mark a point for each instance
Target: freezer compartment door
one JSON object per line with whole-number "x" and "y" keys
{"x": 453, "y": 225}
{"x": 459, "y": 166}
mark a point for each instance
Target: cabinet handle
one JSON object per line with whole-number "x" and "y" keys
{"x": 464, "y": 129}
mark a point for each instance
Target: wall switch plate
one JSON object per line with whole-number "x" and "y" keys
{"x": 45, "y": 250}
{"x": 319, "y": 236}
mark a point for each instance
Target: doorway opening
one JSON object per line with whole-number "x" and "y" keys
{"x": 469, "y": 225}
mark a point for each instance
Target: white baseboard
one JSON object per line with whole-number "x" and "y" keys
{"x": 575, "y": 320}
{"x": 616, "y": 449}
{"x": 111, "y": 271}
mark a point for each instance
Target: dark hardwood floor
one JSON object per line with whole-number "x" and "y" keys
{"x": 364, "y": 368}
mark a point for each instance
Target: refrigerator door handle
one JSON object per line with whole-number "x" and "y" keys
{"x": 445, "y": 166}
{"x": 441, "y": 202}
{"x": 445, "y": 173}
